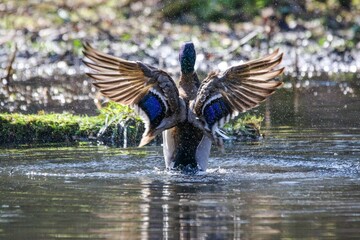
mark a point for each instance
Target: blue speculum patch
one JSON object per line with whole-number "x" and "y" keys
{"x": 154, "y": 108}
{"x": 216, "y": 110}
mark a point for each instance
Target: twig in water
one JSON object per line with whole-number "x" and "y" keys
{"x": 9, "y": 69}
{"x": 243, "y": 41}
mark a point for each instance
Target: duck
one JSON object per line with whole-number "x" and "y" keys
{"x": 189, "y": 113}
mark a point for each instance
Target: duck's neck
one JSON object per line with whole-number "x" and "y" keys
{"x": 188, "y": 86}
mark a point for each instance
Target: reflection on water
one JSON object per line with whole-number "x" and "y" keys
{"x": 301, "y": 181}
{"x": 285, "y": 187}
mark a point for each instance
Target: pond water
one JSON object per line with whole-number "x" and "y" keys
{"x": 301, "y": 181}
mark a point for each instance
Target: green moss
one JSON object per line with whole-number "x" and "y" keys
{"x": 108, "y": 127}
{"x": 20, "y": 128}
{"x": 245, "y": 127}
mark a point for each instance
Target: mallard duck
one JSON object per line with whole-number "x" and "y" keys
{"x": 189, "y": 114}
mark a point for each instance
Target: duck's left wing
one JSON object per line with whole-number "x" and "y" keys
{"x": 223, "y": 95}
{"x": 151, "y": 92}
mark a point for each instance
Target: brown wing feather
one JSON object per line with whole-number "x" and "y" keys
{"x": 114, "y": 75}
{"x": 243, "y": 86}
{"x": 128, "y": 82}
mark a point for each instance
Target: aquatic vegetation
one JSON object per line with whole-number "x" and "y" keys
{"x": 121, "y": 126}
{"x": 44, "y": 128}
{"x": 247, "y": 127}
{"x": 113, "y": 123}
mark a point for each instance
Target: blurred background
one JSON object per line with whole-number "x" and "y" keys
{"x": 41, "y": 41}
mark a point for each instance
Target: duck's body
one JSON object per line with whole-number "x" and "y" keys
{"x": 182, "y": 141}
{"x": 181, "y": 146}
{"x": 187, "y": 115}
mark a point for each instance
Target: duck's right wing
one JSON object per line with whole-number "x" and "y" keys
{"x": 151, "y": 92}
{"x": 223, "y": 95}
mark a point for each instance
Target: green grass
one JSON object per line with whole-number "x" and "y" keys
{"x": 107, "y": 127}
{"x": 18, "y": 128}
{"x": 45, "y": 128}
{"x": 247, "y": 127}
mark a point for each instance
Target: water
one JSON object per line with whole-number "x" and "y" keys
{"x": 301, "y": 181}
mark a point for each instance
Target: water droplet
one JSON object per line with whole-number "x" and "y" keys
{"x": 223, "y": 66}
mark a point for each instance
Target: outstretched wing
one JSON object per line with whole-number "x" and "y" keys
{"x": 150, "y": 91}
{"x": 222, "y": 96}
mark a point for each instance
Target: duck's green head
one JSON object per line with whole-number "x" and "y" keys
{"x": 187, "y": 57}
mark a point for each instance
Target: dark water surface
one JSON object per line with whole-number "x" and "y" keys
{"x": 302, "y": 181}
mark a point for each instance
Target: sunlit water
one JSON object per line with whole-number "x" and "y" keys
{"x": 302, "y": 181}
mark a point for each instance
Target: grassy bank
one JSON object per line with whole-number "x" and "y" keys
{"x": 108, "y": 127}
{"x": 116, "y": 125}
{"x": 44, "y": 128}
